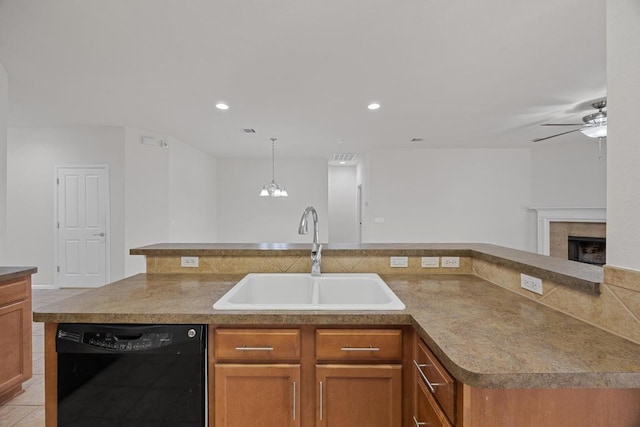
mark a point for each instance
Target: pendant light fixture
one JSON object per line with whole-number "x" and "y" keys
{"x": 272, "y": 189}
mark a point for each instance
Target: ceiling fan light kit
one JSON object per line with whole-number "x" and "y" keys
{"x": 595, "y": 124}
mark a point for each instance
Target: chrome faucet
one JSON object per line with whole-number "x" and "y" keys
{"x": 316, "y": 249}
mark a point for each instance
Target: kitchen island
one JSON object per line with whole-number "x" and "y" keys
{"x": 497, "y": 345}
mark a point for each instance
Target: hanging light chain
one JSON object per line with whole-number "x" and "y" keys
{"x": 273, "y": 159}
{"x": 272, "y": 189}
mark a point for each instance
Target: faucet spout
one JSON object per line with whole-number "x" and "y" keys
{"x": 316, "y": 248}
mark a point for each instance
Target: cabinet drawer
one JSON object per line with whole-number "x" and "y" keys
{"x": 359, "y": 344}
{"x": 427, "y": 411}
{"x": 257, "y": 344}
{"x": 14, "y": 291}
{"x": 435, "y": 379}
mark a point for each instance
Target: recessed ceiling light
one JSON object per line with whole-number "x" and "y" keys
{"x": 343, "y": 162}
{"x": 222, "y": 106}
{"x": 373, "y": 106}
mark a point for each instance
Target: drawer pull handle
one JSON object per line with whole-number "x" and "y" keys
{"x": 424, "y": 377}
{"x": 370, "y": 348}
{"x": 418, "y": 423}
{"x": 245, "y": 348}
{"x": 294, "y": 401}
{"x": 321, "y": 400}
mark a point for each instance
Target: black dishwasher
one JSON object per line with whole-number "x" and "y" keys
{"x": 131, "y": 375}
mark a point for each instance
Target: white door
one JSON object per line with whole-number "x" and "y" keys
{"x": 82, "y": 195}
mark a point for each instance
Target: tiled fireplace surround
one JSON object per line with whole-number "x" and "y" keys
{"x": 616, "y": 309}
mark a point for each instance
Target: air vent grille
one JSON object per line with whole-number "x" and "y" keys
{"x": 249, "y": 130}
{"x": 344, "y": 157}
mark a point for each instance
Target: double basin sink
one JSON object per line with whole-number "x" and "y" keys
{"x": 291, "y": 291}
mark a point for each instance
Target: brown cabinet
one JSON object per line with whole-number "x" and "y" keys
{"x": 359, "y": 395}
{"x": 361, "y": 345}
{"x": 255, "y": 382}
{"x": 427, "y": 411}
{"x": 433, "y": 380}
{"x": 257, "y": 344}
{"x": 305, "y": 377}
{"x": 257, "y": 395}
{"x": 15, "y": 335}
{"x": 441, "y": 401}
{"x": 364, "y": 389}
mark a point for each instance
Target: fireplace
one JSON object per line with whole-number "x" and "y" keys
{"x": 590, "y": 250}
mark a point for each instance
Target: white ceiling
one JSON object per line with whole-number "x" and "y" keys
{"x": 458, "y": 73}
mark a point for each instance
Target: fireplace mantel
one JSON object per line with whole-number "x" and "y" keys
{"x": 548, "y": 215}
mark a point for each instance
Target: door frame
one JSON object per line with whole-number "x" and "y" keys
{"x": 56, "y": 238}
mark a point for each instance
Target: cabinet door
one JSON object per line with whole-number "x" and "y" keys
{"x": 15, "y": 344}
{"x": 427, "y": 412}
{"x": 359, "y": 395}
{"x": 257, "y": 395}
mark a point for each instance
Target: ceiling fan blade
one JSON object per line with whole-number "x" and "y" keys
{"x": 553, "y": 136}
{"x": 562, "y": 124}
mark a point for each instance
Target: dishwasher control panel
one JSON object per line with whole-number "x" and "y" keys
{"x": 127, "y": 343}
{"x": 128, "y": 338}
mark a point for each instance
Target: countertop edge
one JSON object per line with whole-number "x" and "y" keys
{"x": 10, "y": 273}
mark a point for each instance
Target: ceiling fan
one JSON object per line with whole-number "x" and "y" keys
{"x": 594, "y": 126}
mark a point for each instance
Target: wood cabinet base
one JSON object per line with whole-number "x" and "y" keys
{"x": 549, "y": 407}
{"x": 10, "y": 393}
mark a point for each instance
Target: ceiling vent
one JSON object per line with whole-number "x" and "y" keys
{"x": 249, "y": 130}
{"x": 343, "y": 158}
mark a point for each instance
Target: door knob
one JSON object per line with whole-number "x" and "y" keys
{"x": 99, "y": 234}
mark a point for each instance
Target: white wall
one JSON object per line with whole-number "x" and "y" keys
{"x": 245, "y": 217}
{"x": 33, "y": 154}
{"x": 623, "y": 175}
{"x": 170, "y": 194}
{"x": 569, "y": 174}
{"x": 146, "y": 196}
{"x": 4, "y": 113}
{"x": 442, "y": 195}
{"x": 342, "y": 204}
{"x": 192, "y": 194}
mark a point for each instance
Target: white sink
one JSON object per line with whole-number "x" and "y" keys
{"x": 331, "y": 291}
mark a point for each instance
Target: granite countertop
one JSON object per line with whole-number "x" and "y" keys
{"x": 569, "y": 273}
{"x": 10, "y": 273}
{"x": 484, "y": 335}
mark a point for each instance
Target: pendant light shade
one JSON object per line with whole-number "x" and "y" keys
{"x": 272, "y": 189}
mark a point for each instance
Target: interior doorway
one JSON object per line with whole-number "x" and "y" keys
{"x": 82, "y": 226}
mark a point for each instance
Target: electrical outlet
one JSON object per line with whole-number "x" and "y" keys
{"x": 451, "y": 261}
{"x": 189, "y": 261}
{"x": 530, "y": 283}
{"x": 430, "y": 262}
{"x": 399, "y": 261}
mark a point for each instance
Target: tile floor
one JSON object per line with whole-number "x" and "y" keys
{"x": 27, "y": 409}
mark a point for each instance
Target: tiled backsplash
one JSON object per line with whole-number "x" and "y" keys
{"x": 297, "y": 264}
{"x": 616, "y": 309}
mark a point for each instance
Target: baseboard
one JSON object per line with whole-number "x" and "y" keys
{"x": 43, "y": 287}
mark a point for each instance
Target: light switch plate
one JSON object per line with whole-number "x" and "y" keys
{"x": 399, "y": 261}
{"x": 531, "y": 283}
{"x": 430, "y": 262}
{"x": 189, "y": 261}
{"x": 451, "y": 261}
